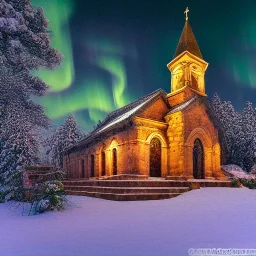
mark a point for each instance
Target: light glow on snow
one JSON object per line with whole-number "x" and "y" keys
{"x": 203, "y": 218}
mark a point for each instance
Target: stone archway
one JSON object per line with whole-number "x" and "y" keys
{"x": 197, "y": 136}
{"x": 155, "y": 158}
{"x": 163, "y": 157}
{"x": 198, "y": 160}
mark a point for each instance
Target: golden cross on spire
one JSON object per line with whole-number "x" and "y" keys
{"x": 186, "y": 12}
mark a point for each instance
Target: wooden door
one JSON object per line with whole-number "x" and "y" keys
{"x": 155, "y": 158}
{"x": 198, "y": 160}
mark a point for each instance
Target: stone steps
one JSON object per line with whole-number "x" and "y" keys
{"x": 128, "y": 190}
{"x": 126, "y": 183}
{"x": 125, "y": 197}
{"x": 131, "y": 190}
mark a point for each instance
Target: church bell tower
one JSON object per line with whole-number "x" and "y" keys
{"x": 188, "y": 66}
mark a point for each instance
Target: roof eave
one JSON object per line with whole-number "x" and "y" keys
{"x": 169, "y": 65}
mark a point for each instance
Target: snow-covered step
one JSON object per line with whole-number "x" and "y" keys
{"x": 127, "y": 183}
{"x": 125, "y": 190}
{"x": 128, "y": 190}
{"x": 125, "y": 197}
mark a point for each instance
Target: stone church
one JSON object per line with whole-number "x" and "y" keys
{"x": 170, "y": 135}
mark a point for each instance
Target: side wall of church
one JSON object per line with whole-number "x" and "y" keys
{"x": 126, "y": 146}
{"x": 132, "y": 148}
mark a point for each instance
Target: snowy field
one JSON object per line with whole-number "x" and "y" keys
{"x": 205, "y": 218}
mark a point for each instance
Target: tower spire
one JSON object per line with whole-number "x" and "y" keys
{"x": 187, "y": 40}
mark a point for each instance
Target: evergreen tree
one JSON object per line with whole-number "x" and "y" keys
{"x": 248, "y": 125}
{"x": 228, "y": 118}
{"x": 62, "y": 138}
{"x": 24, "y": 47}
{"x": 240, "y": 132}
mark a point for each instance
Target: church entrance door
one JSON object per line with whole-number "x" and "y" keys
{"x": 198, "y": 160}
{"x": 155, "y": 158}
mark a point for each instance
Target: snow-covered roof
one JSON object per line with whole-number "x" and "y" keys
{"x": 182, "y": 106}
{"x": 122, "y": 117}
{"x": 123, "y": 114}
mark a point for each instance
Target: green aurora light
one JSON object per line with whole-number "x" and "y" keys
{"x": 58, "y": 13}
{"x": 243, "y": 64}
{"x": 92, "y": 94}
{"x": 88, "y": 96}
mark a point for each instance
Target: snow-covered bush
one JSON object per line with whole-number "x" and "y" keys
{"x": 48, "y": 196}
{"x": 235, "y": 183}
{"x": 238, "y": 176}
{"x": 249, "y": 183}
{"x": 235, "y": 171}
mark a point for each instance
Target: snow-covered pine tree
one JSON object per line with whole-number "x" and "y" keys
{"x": 228, "y": 118}
{"x": 248, "y": 143}
{"x": 62, "y": 138}
{"x": 24, "y": 46}
{"x": 240, "y": 132}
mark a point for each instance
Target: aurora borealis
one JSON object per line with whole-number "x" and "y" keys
{"x": 58, "y": 15}
{"x": 117, "y": 51}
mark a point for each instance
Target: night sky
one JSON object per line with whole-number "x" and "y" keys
{"x": 117, "y": 51}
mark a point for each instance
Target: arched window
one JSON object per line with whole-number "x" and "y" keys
{"x": 92, "y": 165}
{"x": 114, "y": 161}
{"x": 82, "y": 169}
{"x": 103, "y": 163}
{"x": 155, "y": 158}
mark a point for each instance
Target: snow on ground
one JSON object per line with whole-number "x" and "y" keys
{"x": 233, "y": 170}
{"x": 205, "y": 218}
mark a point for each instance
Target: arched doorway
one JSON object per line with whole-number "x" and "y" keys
{"x": 114, "y": 162}
{"x": 198, "y": 160}
{"x": 155, "y": 158}
{"x": 103, "y": 163}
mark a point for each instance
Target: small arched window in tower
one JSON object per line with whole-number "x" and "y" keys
{"x": 114, "y": 161}
{"x": 194, "y": 82}
{"x": 92, "y": 166}
{"x": 103, "y": 163}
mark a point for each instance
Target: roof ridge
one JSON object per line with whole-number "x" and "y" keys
{"x": 127, "y": 107}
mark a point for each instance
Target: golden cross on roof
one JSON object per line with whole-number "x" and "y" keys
{"x": 186, "y": 12}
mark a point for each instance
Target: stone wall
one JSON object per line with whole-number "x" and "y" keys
{"x": 175, "y": 134}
